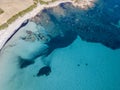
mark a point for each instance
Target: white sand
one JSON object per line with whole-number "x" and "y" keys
{"x": 6, "y": 33}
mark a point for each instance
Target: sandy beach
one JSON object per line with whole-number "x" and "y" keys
{"x": 66, "y": 45}
{"x": 11, "y": 7}
{"x": 6, "y": 33}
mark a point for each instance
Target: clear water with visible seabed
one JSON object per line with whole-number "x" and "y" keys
{"x": 65, "y": 48}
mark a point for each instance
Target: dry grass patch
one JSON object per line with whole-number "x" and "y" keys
{"x": 12, "y": 7}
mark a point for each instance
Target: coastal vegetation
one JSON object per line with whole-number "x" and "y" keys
{"x": 16, "y": 16}
{"x": 1, "y": 11}
{"x": 3, "y": 26}
{"x": 35, "y": 1}
{"x": 43, "y": 2}
{"x": 46, "y": 2}
{"x": 21, "y": 13}
{"x": 27, "y": 10}
{"x": 13, "y": 18}
{"x": 53, "y": 0}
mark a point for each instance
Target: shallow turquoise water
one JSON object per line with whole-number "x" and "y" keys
{"x": 82, "y": 54}
{"x": 80, "y": 66}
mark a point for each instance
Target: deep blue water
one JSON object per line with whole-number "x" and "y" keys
{"x": 65, "y": 48}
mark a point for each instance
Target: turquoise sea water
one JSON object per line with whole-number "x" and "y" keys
{"x": 64, "y": 48}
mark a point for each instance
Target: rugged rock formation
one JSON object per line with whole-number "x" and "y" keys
{"x": 92, "y": 25}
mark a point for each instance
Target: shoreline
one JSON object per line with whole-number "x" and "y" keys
{"x": 6, "y": 33}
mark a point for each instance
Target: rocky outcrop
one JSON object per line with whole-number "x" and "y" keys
{"x": 92, "y": 25}
{"x": 46, "y": 70}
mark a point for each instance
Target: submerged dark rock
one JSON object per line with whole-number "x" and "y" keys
{"x": 25, "y": 63}
{"x": 61, "y": 41}
{"x": 92, "y": 25}
{"x": 44, "y": 71}
{"x": 63, "y": 23}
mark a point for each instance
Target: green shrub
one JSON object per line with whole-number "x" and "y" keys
{"x": 53, "y": 0}
{"x": 27, "y": 10}
{"x": 42, "y": 2}
{"x": 1, "y": 11}
{"x": 3, "y": 26}
{"x": 12, "y": 19}
{"x": 35, "y": 1}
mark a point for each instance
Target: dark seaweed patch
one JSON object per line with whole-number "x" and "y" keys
{"x": 44, "y": 71}
{"x": 24, "y": 63}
